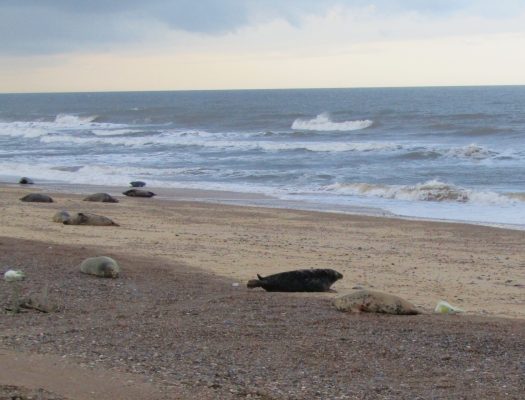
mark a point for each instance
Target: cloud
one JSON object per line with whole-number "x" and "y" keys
{"x": 61, "y": 26}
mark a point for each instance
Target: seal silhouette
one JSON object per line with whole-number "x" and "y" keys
{"x": 26, "y": 181}
{"x": 101, "y": 197}
{"x": 303, "y": 280}
{"x": 138, "y": 193}
{"x": 137, "y": 184}
{"x": 37, "y": 198}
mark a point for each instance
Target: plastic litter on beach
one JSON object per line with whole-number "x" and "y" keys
{"x": 445, "y": 308}
{"x": 13, "y": 275}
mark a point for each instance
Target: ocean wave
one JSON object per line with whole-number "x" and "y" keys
{"x": 433, "y": 190}
{"x": 323, "y": 123}
{"x": 472, "y": 151}
{"x": 62, "y": 123}
{"x": 115, "y": 132}
{"x": 486, "y": 131}
{"x": 97, "y": 174}
{"x": 244, "y": 145}
{"x": 74, "y": 120}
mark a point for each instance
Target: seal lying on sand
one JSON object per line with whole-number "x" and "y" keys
{"x": 137, "y": 184}
{"x": 138, "y": 193}
{"x": 105, "y": 267}
{"x": 26, "y": 181}
{"x": 102, "y": 197}
{"x": 89, "y": 219}
{"x": 61, "y": 216}
{"x": 37, "y": 198}
{"x": 375, "y": 302}
{"x": 303, "y": 280}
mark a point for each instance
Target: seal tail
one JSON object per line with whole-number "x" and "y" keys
{"x": 253, "y": 283}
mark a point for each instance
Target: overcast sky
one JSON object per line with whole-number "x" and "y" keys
{"x": 92, "y": 45}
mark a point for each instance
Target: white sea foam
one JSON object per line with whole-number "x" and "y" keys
{"x": 433, "y": 190}
{"x": 208, "y": 142}
{"x": 114, "y": 132}
{"x": 323, "y": 123}
{"x": 62, "y": 122}
{"x": 331, "y": 147}
{"x": 74, "y": 120}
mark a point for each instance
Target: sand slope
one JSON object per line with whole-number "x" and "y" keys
{"x": 480, "y": 269}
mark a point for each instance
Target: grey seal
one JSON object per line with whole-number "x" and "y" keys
{"x": 138, "y": 193}
{"x": 89, "y": 219}
{"x": 101, "y": 197}
{"x": 104, "y": 267}
{"x": 303, "y": 280}
{"x": 371, "y": 301}
{"x": 137, "y": 184}
{"x": 37, "y": 198}
{"x": 26, "y": 181}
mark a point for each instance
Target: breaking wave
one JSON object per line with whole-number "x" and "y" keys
{"x": 323, "y": 123}
{"x": 244, "y": 145}
{"x": 62, "y": 123}
{"x": 74, "y": 120}
{"x": 433, "y": 190}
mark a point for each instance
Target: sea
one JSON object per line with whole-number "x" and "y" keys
{"x": 439, "y": 153}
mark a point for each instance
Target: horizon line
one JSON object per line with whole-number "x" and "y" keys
{"x": 267, "y": 89}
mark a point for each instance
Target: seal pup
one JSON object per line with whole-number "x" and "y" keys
{"x": 26, "y": 181}
{"x": 101, "y": 197}
{"x": 61, "y": 216}
{"x": 303, "y": 280}
{"x": 138, "y": 193}
{"x": 371, "y": 301}
{"x": 37, "y": 198}
{"x": 104, "y": 267}
{"x": 89, "y": 219}
{"x": 137, "y": 184}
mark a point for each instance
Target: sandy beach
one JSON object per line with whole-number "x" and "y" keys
{"x": 176, "y": 325}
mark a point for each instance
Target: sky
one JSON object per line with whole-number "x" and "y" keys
{"x": 119, "y": 45}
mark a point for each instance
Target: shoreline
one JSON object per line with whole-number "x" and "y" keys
{"x": 474, "y": 267}
{"x": 247, "y": 199}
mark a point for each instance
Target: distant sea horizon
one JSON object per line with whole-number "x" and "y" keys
{"x": 439, "y": 152}
{"x": 262, "y": 89}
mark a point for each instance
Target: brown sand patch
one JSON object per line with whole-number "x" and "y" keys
{"x": 479, "y": 269}
{"x": 192, "y": 335}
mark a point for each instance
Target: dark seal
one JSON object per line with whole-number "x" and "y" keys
{"x": 26, "y": 181}
{"x": 303, "y": 280}
{"x": 138, "y": 193}
{"x": 37, "y": 198}
{"x": 102, "y": 197}
{"x": 137, "y": 184}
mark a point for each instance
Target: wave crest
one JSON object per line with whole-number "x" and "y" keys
{"x": 72, "y": 120}
{"x": 323, "y": 123}
{"x": 433, "y": 190}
